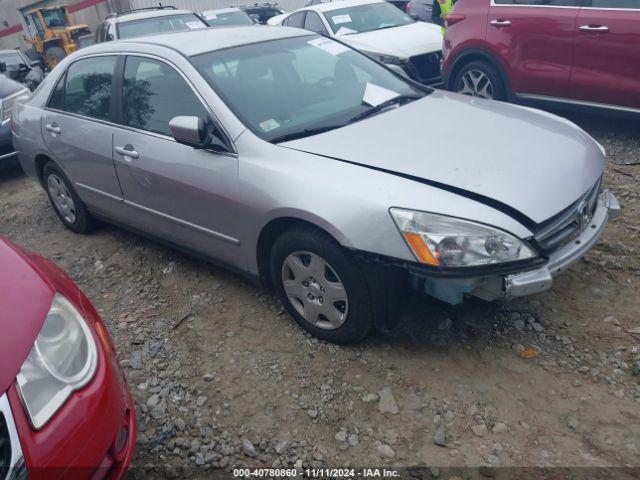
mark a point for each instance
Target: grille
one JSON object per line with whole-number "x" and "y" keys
{"x": 563, "y": 227}
{"x": 5, "y": 447}
{"x": 426, "y": 67}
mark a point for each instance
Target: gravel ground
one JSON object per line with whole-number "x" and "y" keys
{"x": 223, "y": 378}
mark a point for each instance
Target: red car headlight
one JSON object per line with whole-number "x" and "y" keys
{"x": 63, "y": 359}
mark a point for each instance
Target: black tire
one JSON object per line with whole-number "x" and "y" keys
{"x": 491, "y": 73}
{"x": 82, "y": 221}
{"x": 358, "y": 322}
{"x": 54, "y": 56}
{"x": 33, "y": 55}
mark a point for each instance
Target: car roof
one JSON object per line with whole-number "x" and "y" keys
{"x": 127, "y": 17}
{"x": 221, "y": 10}
{"x": 194, "y": 42}
{"x": 328, "y": 6}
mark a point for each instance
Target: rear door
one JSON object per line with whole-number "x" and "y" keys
{"x": 607, "y": 53}
{"x": 77, "y": 127}
{"x": 171, "y": 190}
{"x": 534, "y": 40}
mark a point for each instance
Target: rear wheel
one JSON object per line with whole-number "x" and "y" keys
{"x": 33, "y": 55}
{"x": 66, "y": 203}
{"x": 480, "y": 79}
{"x": 321, "y": 285}
{"x": 54, "y": 55}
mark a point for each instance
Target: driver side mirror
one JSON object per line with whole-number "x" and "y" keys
{"x": 3, "y": 67}
{"x": 194, "y": 132}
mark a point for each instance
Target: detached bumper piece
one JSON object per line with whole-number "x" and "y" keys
{"x": 541, "y": 279}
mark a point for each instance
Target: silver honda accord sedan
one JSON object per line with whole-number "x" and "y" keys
{"x": 300, "y": 162}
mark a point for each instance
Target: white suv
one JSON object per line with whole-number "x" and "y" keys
{"x": 147, "y": 21}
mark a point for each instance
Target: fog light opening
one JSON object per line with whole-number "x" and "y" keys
{"x": 121, "y": 439}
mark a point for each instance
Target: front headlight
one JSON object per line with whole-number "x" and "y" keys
{"x": 444, "y": 241}
{"x": 387, "y": 59}
{"x": 62, "y": 360}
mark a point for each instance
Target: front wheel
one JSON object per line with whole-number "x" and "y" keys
{"x": 480, "y": 79}
{"x": 321, "y": 285}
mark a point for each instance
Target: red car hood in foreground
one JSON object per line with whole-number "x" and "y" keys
{"x": 25, "y": 298}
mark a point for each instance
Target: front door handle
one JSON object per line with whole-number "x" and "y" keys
{"x": 501, "y": 22}
{"x": 127, "y": 151}
{"x": 594, "y": 28}
{"x": 53, "y": 128}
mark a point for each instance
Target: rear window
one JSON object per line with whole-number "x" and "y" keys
{"x": 223, "y": 19}
{"x": 167, "y": 23}
{"x": 627, "y": 4}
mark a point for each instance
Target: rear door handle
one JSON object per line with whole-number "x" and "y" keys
{"x": 594, "y": 28}
{"x": 500, "y": 22}
{"x": 53, "y": 128}
{"x": 127, "y": 151}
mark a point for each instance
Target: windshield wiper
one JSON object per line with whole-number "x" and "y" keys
{"x": 307, "y": 132}
{"x": 381, "y": 106}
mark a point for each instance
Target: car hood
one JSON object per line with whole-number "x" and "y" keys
{"x": 506, "y": 156}
{"x": 404, "y": 42}
{"x": 25, "y": 298}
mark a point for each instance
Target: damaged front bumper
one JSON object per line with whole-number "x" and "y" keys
{"x": 541, "y": 279}
{"x": 453, "y": 290}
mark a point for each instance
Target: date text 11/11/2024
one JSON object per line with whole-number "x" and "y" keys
{"x": 316, "y": 472}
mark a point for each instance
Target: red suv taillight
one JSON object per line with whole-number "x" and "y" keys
{"x": 453, "y": 18}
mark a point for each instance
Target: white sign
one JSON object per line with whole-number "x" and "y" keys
{"x": 374, "y": 95}
{"x": 329, "y": 46}
{"x": 338, "y": 19}
{"x": 194, "y": 25}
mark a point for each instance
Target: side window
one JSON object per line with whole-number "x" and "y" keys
{"x": 314, "y": 23}
{"x": 627, "y": 4}
{"x": 88, "y": 87}
{"x": 154, "y": 93}
{"x": 296, "y": 20}
{"x": 57, "y": 96}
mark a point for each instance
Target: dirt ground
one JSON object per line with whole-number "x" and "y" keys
{"x": 223, "y": 378}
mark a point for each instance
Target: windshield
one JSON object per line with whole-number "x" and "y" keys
{"x": 294, "y": 87}
{"x": 54, "y": 18}
{"x": 217, "y": 19}
{"x": 12, "y": 59}
{"x": 366, "y": 18}
{"x": 166, "y": 23}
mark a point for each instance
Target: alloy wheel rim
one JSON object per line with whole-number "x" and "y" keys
{"x": 477, "y": 84}
{"x": 314, "y": 290}
{"x": 62, "y": 200}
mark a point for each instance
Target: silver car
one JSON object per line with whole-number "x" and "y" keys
{"x": 301, "y": 162}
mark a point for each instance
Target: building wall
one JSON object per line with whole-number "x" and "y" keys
{"x": 89, "y": 12}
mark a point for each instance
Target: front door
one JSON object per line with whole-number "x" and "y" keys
{"x": 534, "y": 39}
{"x": 171, "y": 190}
{"x": 606, "y": 68}
{"x": 77, "y": 128}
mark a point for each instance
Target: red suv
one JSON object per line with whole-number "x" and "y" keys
{"x": 574, "y": 52}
